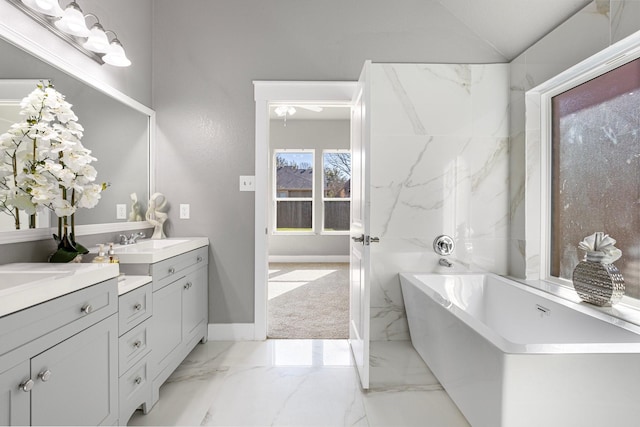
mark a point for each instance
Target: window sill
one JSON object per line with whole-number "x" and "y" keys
{"x": 625, "y": 314}
{"x": 293, "y": 233}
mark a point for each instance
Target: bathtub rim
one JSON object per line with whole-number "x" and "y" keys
{"x": 510, "y": 347}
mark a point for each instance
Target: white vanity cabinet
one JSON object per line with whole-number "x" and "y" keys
{"x": 58, "y": 360}
{"x": 180, "y": 310}
{"x": 135, "y": 309}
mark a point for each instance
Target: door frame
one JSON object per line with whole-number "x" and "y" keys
{"x": 266, "y": 93}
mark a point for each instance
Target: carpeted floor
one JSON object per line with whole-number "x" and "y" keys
{"x": 308, "y": 301}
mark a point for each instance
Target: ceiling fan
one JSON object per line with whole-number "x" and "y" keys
{"x": 284, "y": 110}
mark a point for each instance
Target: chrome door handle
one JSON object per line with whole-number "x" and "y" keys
{"x": 87, "y": 309}
{"x": 26, "y": 385}
{"x": 374, "y": 240}
{"x": 44, "y": 376}
{"x": 359, "y": 239}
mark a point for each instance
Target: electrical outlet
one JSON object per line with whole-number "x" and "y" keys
{"x": 121, "y": 211}
{"x": 184, "y": 211}
{"x": 247, "y": 183}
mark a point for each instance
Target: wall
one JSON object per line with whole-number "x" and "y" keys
{"x": 206, "y": 56}
{"x": 597, "y": 26}
{"x": 439, "y": 165}
{"x": 320, "y": 135}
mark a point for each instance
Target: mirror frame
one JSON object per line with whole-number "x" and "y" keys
{"x": 31, "y": 47}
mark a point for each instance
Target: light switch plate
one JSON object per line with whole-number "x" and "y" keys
{"x": 247, "y": 183}
{"x": 121, "y": 211}
{"x": 184, "y": 211}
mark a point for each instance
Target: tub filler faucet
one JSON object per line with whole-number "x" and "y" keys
{"x": 445, "y": 262}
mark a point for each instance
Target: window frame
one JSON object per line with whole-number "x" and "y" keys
{"x": 546, "y": 165}
{"x": 276, "y": 199}
{"x": 334, "y": 199}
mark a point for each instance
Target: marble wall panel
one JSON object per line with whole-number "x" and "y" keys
{"x": 439, "y": 165}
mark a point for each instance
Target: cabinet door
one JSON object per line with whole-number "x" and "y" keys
{"x": 14, "y": 401}
{"x": 77, "y": 380}
{"x": 166, "y": 331}
{"x": 194, "y": 303}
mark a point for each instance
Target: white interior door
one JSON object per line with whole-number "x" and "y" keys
{"x": 359, "y": 230}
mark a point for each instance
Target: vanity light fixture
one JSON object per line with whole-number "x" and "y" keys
{"x": 46, "y": 7}
{"x": 70, "y": 24}
{"x": 116, "y": 56}
{"x": 98, "y": 40}
{"x": 72, "y": 21}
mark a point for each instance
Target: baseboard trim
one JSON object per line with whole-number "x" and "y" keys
{"x": 231, "y": 332}
{"x": 308, "y": 258}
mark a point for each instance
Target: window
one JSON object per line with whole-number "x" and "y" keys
{"x": 336, "y": 194}
{"x": 595, "y": 170}
{"x": 293, "y": 179}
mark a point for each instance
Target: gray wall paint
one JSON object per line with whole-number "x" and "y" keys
{"x": 320, "y": 135}
{"x": 206, "y": 55}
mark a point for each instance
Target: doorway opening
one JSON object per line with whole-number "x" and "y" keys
{"x": 309, "y": 217}
{"x": 269, "y": 96}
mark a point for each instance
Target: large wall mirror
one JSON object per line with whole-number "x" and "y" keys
{"x": 117, "y": 132}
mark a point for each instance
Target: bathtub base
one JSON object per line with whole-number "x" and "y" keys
{"x": 494, "y": 388}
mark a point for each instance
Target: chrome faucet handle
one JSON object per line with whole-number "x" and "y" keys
{"x": 123, "y": 239}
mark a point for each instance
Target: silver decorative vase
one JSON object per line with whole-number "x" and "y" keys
{"x": 598, "y": 283}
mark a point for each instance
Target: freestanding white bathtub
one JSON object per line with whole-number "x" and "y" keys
{"x": 513, "y": 356}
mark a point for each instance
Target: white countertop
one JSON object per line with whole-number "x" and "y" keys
{"x": 129, "y": 283}
{"x": 23, "y": 285}
{"x": 149, "y": 251}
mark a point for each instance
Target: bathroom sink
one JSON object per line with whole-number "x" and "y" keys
{"x": 23, "y": 285}
{"x": 9, "y": 279}
{"x": 148, "y": 245}
{"x": 151, "y": 251}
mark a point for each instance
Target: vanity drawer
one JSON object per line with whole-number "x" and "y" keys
{"x": 75, "y": 312}
{"x": 133, "y": 346}
{"x": 134, "y": 307}
{"x": 135, "y": 389}
{"x": 167, "y": 271}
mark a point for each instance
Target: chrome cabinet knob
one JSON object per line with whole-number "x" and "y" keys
{"x": 44, "y": 376}
{"x": 137, "y": 307}
{"x": 138, "y": 380}
{"x": 199, "y": 259}
{"x": 172, "y": 270}
{"x": 137, "y": 344}
{"x": 26, "y": 385}
{"x": 187, "y": 285}
{"x": 87, "y": 309}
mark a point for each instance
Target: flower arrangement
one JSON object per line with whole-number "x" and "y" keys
{"x": 43, "y": 165}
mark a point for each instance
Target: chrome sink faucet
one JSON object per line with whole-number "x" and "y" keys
{"x": 124, "y": 240}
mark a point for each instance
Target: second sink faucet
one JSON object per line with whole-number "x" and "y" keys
{"x": 124, "y": 240}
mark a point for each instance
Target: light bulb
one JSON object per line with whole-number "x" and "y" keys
{"x": 72, "y": 21}
{"x": 98, "y": 40}
{"x": 46, "y": 7}
{"x": 116, "y": 55}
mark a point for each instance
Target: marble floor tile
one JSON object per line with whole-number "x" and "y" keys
{"x": 288, "y": 396}
{"x": 300, "y": 383}
{"x": 395, "y": 364}
{"x": 408, "y": 408}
